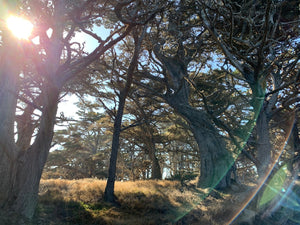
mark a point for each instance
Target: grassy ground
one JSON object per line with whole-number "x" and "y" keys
{"x": 80, "y": 202}
{"x": 141, "y": 202}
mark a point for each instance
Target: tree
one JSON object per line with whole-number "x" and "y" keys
{"x": 171, "y": 48}
{"x": 146, "y": 133}
{"x": 46, "y": 73}
{"x": 109, "y": 189}
{"x": 182, "y": 158}
{"x": 256, "y": 50}
{"x": 258, "y": 39}
{"x": 82, "y": 147}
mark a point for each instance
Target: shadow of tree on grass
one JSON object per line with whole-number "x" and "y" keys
{"x": 53, "y": 209}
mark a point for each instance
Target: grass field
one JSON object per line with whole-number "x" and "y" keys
{"x": 80, "y": 202}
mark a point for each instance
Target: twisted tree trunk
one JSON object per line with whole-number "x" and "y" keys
{"x": 216, "y": 161}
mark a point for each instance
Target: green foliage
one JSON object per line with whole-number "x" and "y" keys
{"x": 83, "y": 146}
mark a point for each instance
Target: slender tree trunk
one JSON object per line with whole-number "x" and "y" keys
{"x": 110, "y": 185}
{"x": 150, "y": 143}
{"x": 156, "y": 170}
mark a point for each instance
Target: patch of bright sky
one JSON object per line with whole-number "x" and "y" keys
{"x": 90, "y": 42}
{"x": 36, "y": 40}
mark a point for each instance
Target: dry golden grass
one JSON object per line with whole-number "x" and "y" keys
{"x": 141, "y": 202}
{"x": 85, "y": 190}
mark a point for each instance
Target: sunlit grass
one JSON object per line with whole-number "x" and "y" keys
{"x": 141, "y": 202}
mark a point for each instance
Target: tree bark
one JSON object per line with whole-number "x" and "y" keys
{"x": 26, "y": 168}
{"x": 149, "y": 140}
{"x": 150, "y": 143}
{"x": 156, "y": 170}
{"x": 110, "y": 185}
{"x": 9, "y": 71}
{"x": 263, "y": 144}
{"x": 21, "y": 165}
{"x": 294, "y": 141}
{"x": 216, "y": 161}
{"x": 31, "y": 162}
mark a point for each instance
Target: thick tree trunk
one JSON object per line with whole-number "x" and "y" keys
{"x": 21, "y": 164}
{"x": 21, "y": 174}
{"x": 8, "y": 87}
{"x": 263, "y": 144}
{"x": 216, "y": 161}
{"x": 25, "y": 190}
{"x": 295, "y": 143}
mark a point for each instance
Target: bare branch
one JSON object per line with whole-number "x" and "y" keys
{"x": 220, "y": 42}
{"x": 65, "y": 74}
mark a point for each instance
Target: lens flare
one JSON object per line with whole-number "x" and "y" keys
{"x": 285, "y": 198}
{"x": 21, "y": 28}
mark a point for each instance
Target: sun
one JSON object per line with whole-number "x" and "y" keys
{"x": 20, "y": 27}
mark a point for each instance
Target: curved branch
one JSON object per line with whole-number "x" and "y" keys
{"x": 220, "y": 42}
